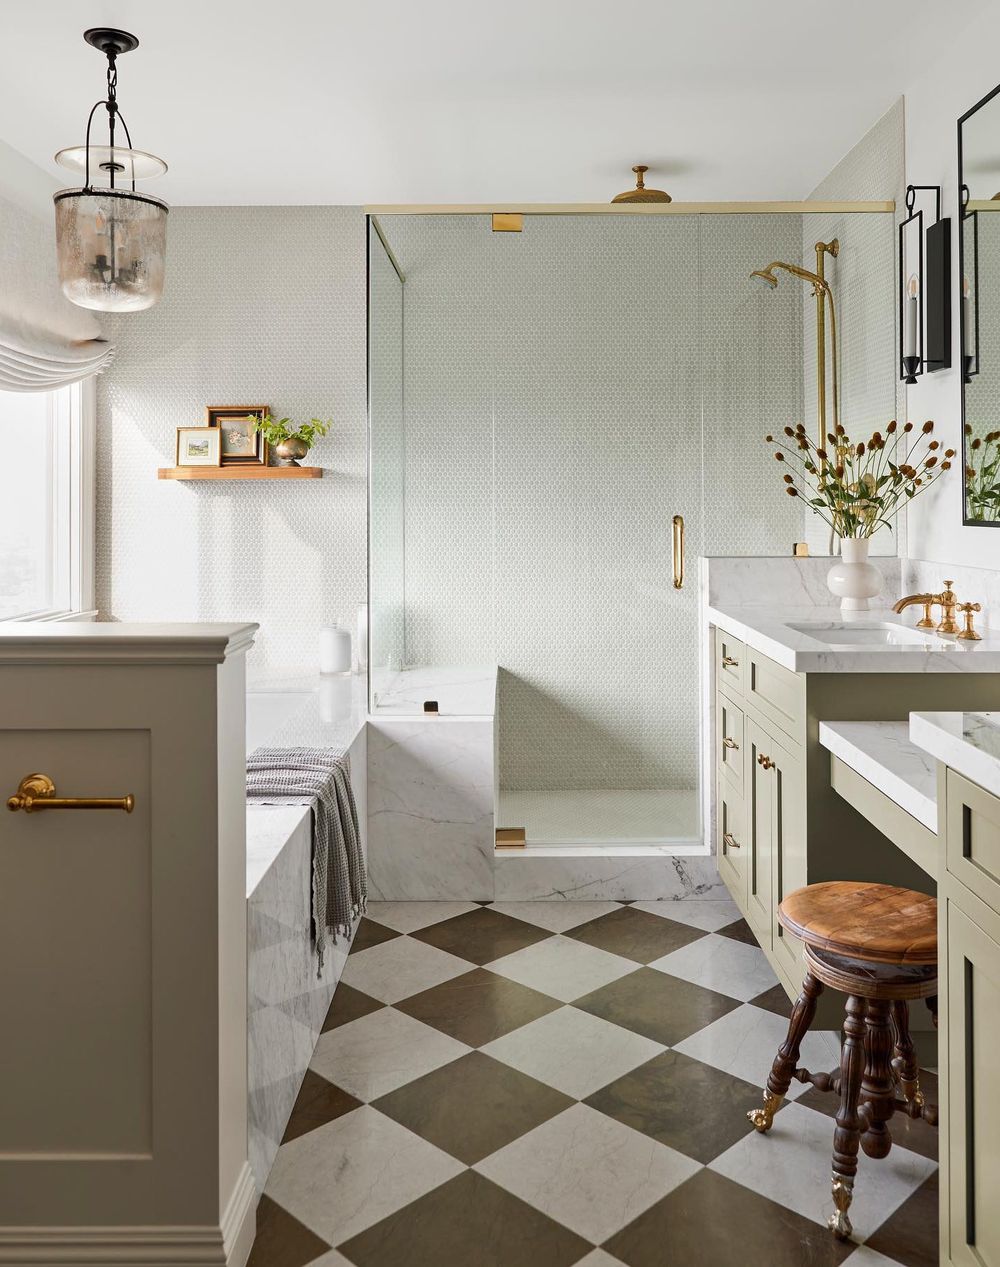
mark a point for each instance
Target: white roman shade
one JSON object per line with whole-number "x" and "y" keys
{"x": 45, "y": 341}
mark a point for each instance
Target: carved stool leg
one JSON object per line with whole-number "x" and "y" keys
{"x": 904, "y": 1059}
{"x": 780, "y": 1077}
{"x": 848, "y": 1133}
{"x": 878, "y": 1089}
{"x": 932, "y": 1008}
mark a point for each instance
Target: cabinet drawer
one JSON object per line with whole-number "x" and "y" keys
{"x": 973, "y": 845}
{"x": 730, "y": 657}
{"x": 778, "y": 693}
{"x": 731, "y": 745}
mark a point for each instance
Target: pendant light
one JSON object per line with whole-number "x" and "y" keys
{"x": 111, "y": 241}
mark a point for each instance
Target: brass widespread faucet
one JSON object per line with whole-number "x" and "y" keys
{"x": 949, "y": 604}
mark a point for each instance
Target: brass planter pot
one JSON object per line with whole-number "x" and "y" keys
{"x": 289, "y": 451}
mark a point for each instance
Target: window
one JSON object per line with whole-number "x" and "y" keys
{"x": 46, "y": 503}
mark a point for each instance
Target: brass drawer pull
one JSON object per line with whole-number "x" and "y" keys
{"x": 729, "y": 743}
{"x": 765, "y": 762}
{"x": 37, "y": 791}
{"x": 678, "y": 542}
{"x": 729, "y": 842}
{"x": 729, "y": 663}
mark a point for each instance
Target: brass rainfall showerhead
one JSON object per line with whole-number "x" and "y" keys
{"x": 640, "y": 193}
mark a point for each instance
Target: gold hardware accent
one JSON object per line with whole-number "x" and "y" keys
{"x": 729, "y": 743}
{"x": 763, "y": 1118}
{"x": 800, "y": 550}
{"x": 37, "y": 791}
{"x": 640, "y": 193}
{"x": 969, "y": 634}
{"x": 729, "y": 663}
{"x": 823, "y": 295}
{"x": 883, "y": 207}
{"x": 947, "y": 602}
{"x": 510, "y": 838}
{"x": 508, "y": 221}
{"x": 928, "y": 601}
{"x": 729, "y": 842}
{"x": 764, "y": 762}
{"x": 678, "y": 551}
{"x": 843, "y": 1193}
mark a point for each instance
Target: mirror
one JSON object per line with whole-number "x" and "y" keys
{"x": 979, "y": 272}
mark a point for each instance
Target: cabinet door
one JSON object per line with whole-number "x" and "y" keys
{"x": 760, "y": 808}
{"x": 972, "y": 1113}
{"x": 788, "y": 858}
{"x": 731, "y": 848}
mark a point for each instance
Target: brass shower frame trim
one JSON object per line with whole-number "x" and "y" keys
{"x": 631, "y": 209}
{"x": 388, "y": 250}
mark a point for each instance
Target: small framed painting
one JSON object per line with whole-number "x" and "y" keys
{"x": 241, "y": 444}
{"x": 198, "y": 446}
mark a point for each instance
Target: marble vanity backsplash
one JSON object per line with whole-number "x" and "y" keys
{"x": 783, "y": 582}
{"x": 972, "y": 585}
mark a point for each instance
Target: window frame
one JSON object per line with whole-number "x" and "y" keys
{"x": 72, "y": 511}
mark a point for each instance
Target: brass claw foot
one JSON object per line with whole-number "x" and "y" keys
{"x": 763, "y": 1118}
{"x": 838, "y": 1222}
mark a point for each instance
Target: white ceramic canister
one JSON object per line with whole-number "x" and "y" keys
{"x": 334, "y": 649}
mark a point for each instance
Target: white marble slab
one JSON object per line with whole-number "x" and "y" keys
{"x": 883, "y": 753}
{"x": 572, "y": 875}
{"x": 458, "y": 692}
{"x": 768, "y": 629}
{"x": 966, "y": 742}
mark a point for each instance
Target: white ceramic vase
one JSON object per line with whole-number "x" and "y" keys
{"x": 852, "y": 578}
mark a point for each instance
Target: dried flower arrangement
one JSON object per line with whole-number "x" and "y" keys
{"x": 982, "y": 475}
{"x": 857, "y": 488}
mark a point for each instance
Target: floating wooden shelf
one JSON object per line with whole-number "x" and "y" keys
{"x": 248, "y": 472}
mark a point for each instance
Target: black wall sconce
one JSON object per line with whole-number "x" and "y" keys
{"x": 924, "y": 289}
{"x": 970, "y": 289}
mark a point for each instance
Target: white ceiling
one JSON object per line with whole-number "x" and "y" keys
{"x": 351, "y": 101}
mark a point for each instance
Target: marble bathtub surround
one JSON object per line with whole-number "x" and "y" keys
{"x": 459, "y": 1125}
{"x": 966, "y": 742}
{"x": 883, "y": 753}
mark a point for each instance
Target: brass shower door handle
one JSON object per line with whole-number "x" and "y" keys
{"x": 37, "y": 791}
{"x": 678, "y": 551}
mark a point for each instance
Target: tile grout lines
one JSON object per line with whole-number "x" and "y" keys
{"x": 549, "y": 1083}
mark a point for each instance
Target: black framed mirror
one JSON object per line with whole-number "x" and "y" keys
{"x": 979, "y": 309}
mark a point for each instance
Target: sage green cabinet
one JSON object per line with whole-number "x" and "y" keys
{"x": 969, "y": 1010}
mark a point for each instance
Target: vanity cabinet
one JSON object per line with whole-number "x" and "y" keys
{"x": 969, "y": 1009}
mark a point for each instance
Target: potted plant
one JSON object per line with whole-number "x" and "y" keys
{"x": 858, "y": 488}
{"x": 290, "y": 442}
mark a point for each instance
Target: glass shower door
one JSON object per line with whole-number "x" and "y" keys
{"x": 597, "y": 446}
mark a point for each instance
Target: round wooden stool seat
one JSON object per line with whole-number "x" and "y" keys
{"x": 877, "y": 923}
{"x": 870, "y": 980}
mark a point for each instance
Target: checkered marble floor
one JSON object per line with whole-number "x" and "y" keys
{"x": 535, "y": 1084}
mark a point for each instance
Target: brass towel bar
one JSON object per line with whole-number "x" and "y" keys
{"x": 37, "y": 791}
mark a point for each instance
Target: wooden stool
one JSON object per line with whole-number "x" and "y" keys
{"x": 877, "y": 944}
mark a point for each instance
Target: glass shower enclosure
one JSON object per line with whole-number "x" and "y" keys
{"x": 545, "y": 406}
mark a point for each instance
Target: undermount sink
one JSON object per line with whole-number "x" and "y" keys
{"x": 870, "y": 634}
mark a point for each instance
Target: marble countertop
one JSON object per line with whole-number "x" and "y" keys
{"x": 883, "y": 753}
{"x": 966, "y": 742}
{"x": 770, "y": 631}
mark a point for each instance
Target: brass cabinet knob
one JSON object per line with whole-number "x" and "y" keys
{"x": 729, "y": 842}
{"x": 764, "y": 762}
{"x": 969, "y": 634}
{"x": 729, "y": 743}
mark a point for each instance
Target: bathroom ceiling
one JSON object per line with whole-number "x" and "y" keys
{"x": 322, "y": 101}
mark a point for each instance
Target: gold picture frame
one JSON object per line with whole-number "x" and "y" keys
{"x": 240, "y": 444}
{"x": 198, "y": 446}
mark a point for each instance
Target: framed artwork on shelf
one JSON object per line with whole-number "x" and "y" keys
{"x": 240, "y": 444}
{"x": 199, "y": 446}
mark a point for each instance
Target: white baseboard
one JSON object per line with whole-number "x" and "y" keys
{"x": 227, "y": 1245}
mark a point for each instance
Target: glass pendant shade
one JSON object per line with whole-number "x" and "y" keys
{"x": 111, "y": 246}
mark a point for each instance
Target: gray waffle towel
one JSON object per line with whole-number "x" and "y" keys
{"x": 321, "y": 778}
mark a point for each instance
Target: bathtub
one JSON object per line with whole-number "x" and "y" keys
{"x": 269, "y": 711}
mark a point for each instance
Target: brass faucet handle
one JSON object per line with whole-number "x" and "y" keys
{"x": 948, "y": 603}
{"x": 928, "y": 621}
{"x": 969, "y": 634}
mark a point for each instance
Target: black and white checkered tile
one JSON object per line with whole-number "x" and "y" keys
{"x": 536, "y": 1084}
